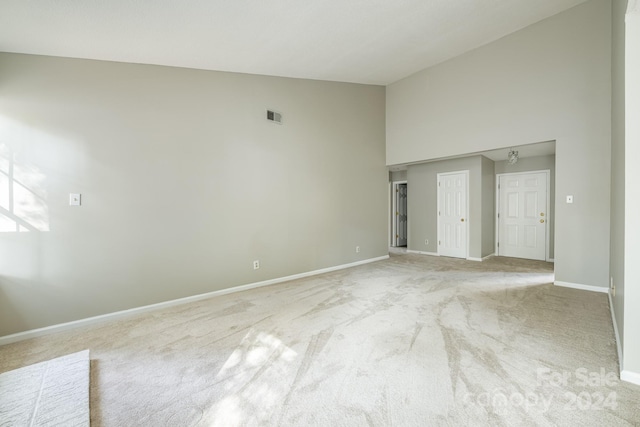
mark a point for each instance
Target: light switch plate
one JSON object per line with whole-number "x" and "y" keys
{"x": 74, "y": 199}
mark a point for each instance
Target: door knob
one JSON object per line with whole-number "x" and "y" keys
{"x": 541, "y": 213}
{"x": 461, "y": 219}
{"x": 541, "y": 221}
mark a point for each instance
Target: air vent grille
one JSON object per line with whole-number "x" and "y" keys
{"x": 274, "y": 116}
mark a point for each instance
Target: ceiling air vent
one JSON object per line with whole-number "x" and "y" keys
{"x": 274, "y": 117}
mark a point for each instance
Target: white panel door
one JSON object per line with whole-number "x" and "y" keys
{"x": 452, "y": 214}
{"x": 522, "y": 215}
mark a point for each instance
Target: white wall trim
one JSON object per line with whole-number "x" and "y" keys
{"x": 615, "y": 331}
{"x": 8, "y": 339}
{"x": 390, "y": 215}
{"x": 591, "y": 288}
{"x": 484, "y": 258}
{"x": 632, "y": 201}
{"x": 551, "y": 260}
{"x": 630, "y": 377}
{"x": 411, "y": 251}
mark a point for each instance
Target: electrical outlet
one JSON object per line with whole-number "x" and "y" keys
{"x": 357, "y": 248}
{"x": 74, "y": 199}
{"x": 256, "y": 264}
{"x": 612, "y": 287}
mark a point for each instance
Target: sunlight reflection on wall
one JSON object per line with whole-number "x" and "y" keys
{"x": 23, "y": 204}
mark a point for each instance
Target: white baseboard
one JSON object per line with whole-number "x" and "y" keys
{"x": 410, "y": 251}
{"x": 481, "y": 259}
{"x": 551, "y": 260}
{"x": 617, "y": 335}
{"x": 582, "y": 287}
{"x": 8, "y": 339}
{"x": 630, "y": 377}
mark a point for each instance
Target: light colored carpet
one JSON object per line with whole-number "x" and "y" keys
{"x": 411, "y": 341}
{"x": 47, "y": 394}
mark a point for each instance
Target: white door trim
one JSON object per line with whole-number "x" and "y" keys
{"x": 549, "y": 218}
{"x": 466, "y": 225}
{"x": 389, "y": 201}
{"x": 394, "y": 217}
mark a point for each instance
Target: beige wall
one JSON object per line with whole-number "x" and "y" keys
{"x": 549, "y": 81}
{"x": 488, "y": 206}
{"x": 184, "y": 183}
{"x": 537, "y": 163}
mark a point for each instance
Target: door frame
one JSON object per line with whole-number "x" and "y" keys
{"x": 394, "y": 217}
{"x": 547, "y": 222}
{"x": 468, "y": 220}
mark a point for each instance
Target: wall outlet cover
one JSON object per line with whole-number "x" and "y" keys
{"x": 74, "y": 199}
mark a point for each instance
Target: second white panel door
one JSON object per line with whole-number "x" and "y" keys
{"x": 452, "y": 214}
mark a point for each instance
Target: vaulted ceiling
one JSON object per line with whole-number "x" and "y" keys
{"x": 362, "y": 41}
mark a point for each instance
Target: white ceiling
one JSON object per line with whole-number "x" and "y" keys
{"x": 363, "y": 41}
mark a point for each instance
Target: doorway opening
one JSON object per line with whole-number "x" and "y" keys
{"x": 400, "y": 224}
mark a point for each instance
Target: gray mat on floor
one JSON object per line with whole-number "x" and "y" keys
{"x": 51, "y": 393}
